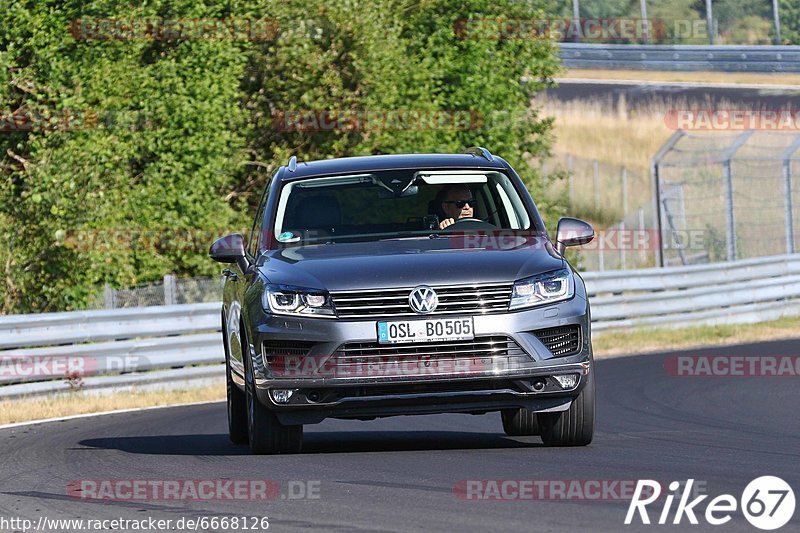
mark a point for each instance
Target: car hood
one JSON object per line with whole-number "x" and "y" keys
{"x": 406, "y": 263}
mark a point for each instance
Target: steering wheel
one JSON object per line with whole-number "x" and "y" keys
{"x": 472, "y": 223}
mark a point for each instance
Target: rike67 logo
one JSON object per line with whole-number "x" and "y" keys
{"x": 767, "y": 503}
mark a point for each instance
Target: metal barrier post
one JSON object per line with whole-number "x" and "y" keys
{"x": 170, "y": 290}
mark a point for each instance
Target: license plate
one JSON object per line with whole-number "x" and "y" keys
{"x": 433, "y": 330}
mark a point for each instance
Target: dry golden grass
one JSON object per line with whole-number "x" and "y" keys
{"x": 616, "y": 137}
{"x": 67, "y": 404}
{"x": 692, "y": 77}
{"x": 590, "y": 130}
{"x": 659, "y": 340}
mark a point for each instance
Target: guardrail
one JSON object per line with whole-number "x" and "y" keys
{"x": 726, "y": 58}
{"x": 163, "y": 346}
{"x": 751, "y": 290}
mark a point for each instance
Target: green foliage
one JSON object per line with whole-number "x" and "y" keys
{"x": 185, "y": 134}
{"x": 750, "y": 29}
{"x": 790, "y": 21}
{"x": 744, "y": 21}
{"x": 678, "y": 22}
{"x": 167, "y": 172}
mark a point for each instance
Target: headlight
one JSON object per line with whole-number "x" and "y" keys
{"x": 543, "y": 289}
{"x": 282, "y": 300}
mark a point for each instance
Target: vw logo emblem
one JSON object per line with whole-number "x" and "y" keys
{"x": 423, "y": 300}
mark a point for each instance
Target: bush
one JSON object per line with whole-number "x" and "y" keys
{"x": 180, "y": 135}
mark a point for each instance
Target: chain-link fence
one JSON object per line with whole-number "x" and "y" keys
{"x": 721, "y": 197}
{"x": 724, "y": 197}
{"x": 617, "y": 201}
{"x": 170, "y": 291}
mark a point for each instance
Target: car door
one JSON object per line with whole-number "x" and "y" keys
{"x": 236, "y": 284}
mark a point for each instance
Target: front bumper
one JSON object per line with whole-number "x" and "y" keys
{"x": 489, "y": 386}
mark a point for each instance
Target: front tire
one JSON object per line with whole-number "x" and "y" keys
{"x": 237, "y": 404}
{"x": 237, "y": 410}
{"x": 575, "y": 426}
{"x": 266, "y": 434}
{"x": 520, "y": 422}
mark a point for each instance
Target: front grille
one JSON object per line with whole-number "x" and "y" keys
{"x": 482, "y": 354}
{"x": 563, "y": 340}
{"x": 480, "y": 299}
{"x": 286, "y": 348}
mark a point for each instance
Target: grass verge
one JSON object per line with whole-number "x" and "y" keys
{"x": 68, "y": 404}
{"x": 750, "y": 78}
{"x": 659, "y": 340}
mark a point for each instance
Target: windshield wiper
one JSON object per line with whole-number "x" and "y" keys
{"x": 423, "y": 234}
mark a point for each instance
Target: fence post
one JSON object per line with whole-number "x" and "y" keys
{"x": 596, "y": 172}
{"x": 108, "y": 296}
{"x": 622, "y": 225}
{"x": 710, "y": 22}
{"x": 787, "y": 200}
{"x": 575, "y": 23}
{"x": 642, "y": 251}
{"x": 777, "y": 19}
{"x": 730, "y": 223}
{"x": 654, "y": 171}
{"x": 170, "y": 290}
{"x": 655, "y": 164}
{"x": 645, "y": 22}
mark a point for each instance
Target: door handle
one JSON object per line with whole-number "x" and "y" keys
{"x": 230, "y": 274}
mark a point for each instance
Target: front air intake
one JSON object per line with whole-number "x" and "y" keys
{"x": 563, "y": 340}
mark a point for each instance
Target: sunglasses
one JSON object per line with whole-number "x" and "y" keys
{"x": 461, "y": 203}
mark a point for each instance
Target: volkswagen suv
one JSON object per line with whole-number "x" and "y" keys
{"x": 398, "y": 285}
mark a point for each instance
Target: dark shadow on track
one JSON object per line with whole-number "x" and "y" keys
{"x": 214, "y": 444}
{"x": 402, "y": 441}
{"x": 318, "y": 442}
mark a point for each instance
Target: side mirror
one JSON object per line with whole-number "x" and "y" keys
{"x": 230, "y": 249}
{"x": 572, "y": 232}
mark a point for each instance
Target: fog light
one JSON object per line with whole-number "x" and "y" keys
{"x": 567, "y": 381}
{"x": 282, "y": 395}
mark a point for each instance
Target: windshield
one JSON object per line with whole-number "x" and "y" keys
{"x": 397, "y": 204}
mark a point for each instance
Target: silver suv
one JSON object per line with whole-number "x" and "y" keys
{"x": 404, "y": 284}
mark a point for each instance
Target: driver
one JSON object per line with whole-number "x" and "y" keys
{"x": 457, "y": 202}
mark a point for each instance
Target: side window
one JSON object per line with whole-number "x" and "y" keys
{"x": 509, "y": 207}
{"x": 255, "y": 234}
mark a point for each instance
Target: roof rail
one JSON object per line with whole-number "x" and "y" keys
{"x": 481, "y": 152}
{"x": 292, "y": 163}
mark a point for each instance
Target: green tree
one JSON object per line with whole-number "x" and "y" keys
{"x": 164, "y": 171}
{"x": 185, "y": 135}
{"x": 790, "y": 21}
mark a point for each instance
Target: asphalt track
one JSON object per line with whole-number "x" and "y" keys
{"x": 398, "y": 474}
{"x": 684, "y": 95}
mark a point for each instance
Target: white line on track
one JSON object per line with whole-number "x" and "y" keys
{"x": 103, "y": 413}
